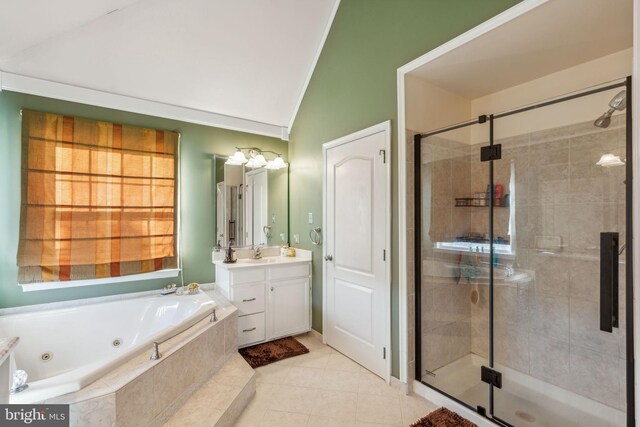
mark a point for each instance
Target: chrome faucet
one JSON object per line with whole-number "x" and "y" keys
{"x": 155, "y": 352}
{"x": 214, "y": 317}
{"x": 19, "y": 382}
{"x": 256, "y": 253}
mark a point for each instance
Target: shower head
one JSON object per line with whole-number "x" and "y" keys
{"x": 617, "y": 103}
{"x": 604, "y": 120}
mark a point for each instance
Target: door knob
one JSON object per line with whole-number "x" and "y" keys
{"x": 328, "y": 257}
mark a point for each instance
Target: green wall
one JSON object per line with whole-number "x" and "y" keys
{"x": 354, "y": 87}
{"x": 198, "y": 144}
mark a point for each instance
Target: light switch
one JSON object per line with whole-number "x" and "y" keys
{"x": 296, "y": 238}
{"x": 310, "y": 217}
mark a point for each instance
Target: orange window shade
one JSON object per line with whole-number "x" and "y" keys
{"x": 98, "y": 199}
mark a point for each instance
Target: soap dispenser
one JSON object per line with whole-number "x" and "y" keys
{"x": 230, "y": 255}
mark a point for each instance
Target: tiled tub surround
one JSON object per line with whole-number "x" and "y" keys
{"x": 144, "y": 392}
{"x": 546, "y": 323}
{"x": 65, "y": 349}
{"x": 7, "y": 345}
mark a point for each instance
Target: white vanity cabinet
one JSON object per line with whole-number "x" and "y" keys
{"x": 288, "y": 307}
{"x": 273, "y": 297}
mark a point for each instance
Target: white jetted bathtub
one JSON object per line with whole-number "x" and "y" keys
{"x": 65, "y": 349}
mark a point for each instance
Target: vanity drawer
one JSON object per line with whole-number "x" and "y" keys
{"x": 249, "y": 298}
{"x": 248, "y": 276}
{"x": 288, "y": 271}
{"x": 250, "y": 329}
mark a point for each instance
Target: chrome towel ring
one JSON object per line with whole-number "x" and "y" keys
{"x": 315, "y": 235}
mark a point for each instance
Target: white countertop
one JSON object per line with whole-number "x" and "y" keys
{"x": 269, "y": 261}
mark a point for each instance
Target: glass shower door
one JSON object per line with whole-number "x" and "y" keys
{"x": 453, "y": 289}
{"x": 565, "y": 218}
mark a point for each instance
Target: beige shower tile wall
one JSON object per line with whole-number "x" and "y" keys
{"x": 548, "y": 327}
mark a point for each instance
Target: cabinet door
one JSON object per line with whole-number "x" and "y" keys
{"x": 288, "y": 311}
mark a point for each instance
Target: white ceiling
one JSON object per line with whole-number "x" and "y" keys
{"x": 242, "y": 58}
{"x": 554, "y": 36}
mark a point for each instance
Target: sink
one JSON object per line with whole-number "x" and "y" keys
{"x": 265, "y": 260}
{"x": 254, "y": 261}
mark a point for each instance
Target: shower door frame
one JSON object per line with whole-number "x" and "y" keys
{"x": 629, "y": 307}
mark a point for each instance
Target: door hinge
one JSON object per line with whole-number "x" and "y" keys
{"x": 384, "y": 353}
{"x": 490, "y": 152}
{"x": 383, "y": 153}
{"x": 491, "y": 376}
{"x": 384, "y": 254}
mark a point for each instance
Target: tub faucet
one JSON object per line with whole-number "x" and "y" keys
{"x": 19, "y": 382}
{"x": 256, "y": 253}
{"x": 155, "y": 352}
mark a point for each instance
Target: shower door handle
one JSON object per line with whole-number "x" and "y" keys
{"x": 609, "y": 281}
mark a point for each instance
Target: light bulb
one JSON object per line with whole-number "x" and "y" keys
{"x": 231, "y": 162}
{"x": 239, "y": 157}
{"x": 260, "y": 160}
{"x": 278, "y": 163}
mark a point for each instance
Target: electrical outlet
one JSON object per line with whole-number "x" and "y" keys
{"x": 273, "y": 219}
{"x": 296, "y": 238}
{"x": 310, "y": 217}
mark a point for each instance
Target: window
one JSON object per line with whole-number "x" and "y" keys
{"x": 98, "y": 199}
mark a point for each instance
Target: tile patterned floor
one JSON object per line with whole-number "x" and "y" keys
{"x": 325, "y": 388}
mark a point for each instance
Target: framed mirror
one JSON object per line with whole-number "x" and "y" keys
{"x": 251, "y": 205}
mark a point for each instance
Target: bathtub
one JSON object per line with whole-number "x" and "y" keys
{"x": 63, "y": 350}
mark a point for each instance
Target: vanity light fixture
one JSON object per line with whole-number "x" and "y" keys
{"x": 260, "y": 160}
{"x": 608, "y": 160}
{"x": 256, "y": 159}
{"x": 238, "y": 158}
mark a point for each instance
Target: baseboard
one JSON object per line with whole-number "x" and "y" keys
{"x": 399, "y": 385}
{"x": 316, "y": 334}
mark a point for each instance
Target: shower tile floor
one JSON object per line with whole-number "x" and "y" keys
{"x": 325, "y": 388}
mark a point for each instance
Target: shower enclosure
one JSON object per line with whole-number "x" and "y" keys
{"x": 523, "y": 273}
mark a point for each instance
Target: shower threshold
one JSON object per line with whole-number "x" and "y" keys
{"x": 523, "y": 401}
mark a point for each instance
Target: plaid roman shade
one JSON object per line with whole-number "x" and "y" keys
{"x": 98, "y": 199}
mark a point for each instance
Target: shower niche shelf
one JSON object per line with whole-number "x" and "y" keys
{"x": 475, "y": 202}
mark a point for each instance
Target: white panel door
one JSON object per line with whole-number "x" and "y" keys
{"x": 357, "y": 224}
{"x": 288, "y": 311}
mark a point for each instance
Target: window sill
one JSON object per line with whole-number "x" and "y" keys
{"x": 45, "y": 286}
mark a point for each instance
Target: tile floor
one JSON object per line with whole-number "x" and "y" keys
{"x": 325, "y": 388}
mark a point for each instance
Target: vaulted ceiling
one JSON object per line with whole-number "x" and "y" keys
{"x": 241, "y": 58}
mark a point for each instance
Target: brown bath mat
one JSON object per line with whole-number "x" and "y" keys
{"x": 443, "y": 418}
{"x": 269, "y": 352}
